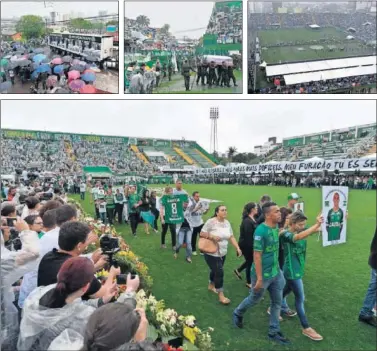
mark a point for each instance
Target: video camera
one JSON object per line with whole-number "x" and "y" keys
{"x": 14, "y": 235}
{"x": 109, "y": 244}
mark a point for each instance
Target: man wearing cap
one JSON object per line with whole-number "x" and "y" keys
{"x": 292, "y": 200}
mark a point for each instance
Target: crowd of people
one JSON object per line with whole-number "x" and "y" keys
{"x": 49, "y": 284}
{"x": 364, "y": 24}
{"x": 53, "y": 74}
{"x": 226, "y": 23}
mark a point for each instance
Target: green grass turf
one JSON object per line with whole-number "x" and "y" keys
{"x": 292, "y": 54}
{"x": 335, "y": 281}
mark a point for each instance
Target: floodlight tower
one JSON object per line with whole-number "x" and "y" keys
{"x": 214, "y": 116}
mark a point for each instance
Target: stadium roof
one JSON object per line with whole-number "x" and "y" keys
{"x": 329, "y": 74}
{"x": 312, "y": 66}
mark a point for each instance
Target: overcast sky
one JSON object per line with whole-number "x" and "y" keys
{"x": 242, "y": 123}
{"x": 10, "y": 9}
{"x": 183, "y": 17}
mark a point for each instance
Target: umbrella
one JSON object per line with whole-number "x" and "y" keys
{"x": 88, "y": 89}
{"x": 67, "y": 59}
{"x": 58, "y": 69}
{"x": 55, "y": 56}
{"x": 57, "y": 61}
{"x": 76, "y": 84}
{"x": 82, "y": 63}
{"x": 4, "y": 62}
{"x": 75, "y": 62}
{"x": 23, "y": 63}
{"x": 92, "y": 59}
{"x": 34, "y": 65}
{"x": 78, "y": 68}
{"x": 88, "y": 77}
{"x": 89, "y": 71}
{"x": 46, "y": 60}
{"x": 66, "y": 66}
{"x": 43, "y": 69}
{"x": 72, "y": 75}
{"x": 31, "y": 56}
{"x": 52, "y": 81}
{"x": 34, "y": 75}
{"x": 38, "y": 51}
{"x": 5, "y": 86}
{"x": 39, "y": 58}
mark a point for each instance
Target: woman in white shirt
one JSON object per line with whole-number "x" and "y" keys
{"x": 219, "y": 230}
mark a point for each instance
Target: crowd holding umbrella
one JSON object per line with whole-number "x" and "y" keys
{"x": 58, "y": 74}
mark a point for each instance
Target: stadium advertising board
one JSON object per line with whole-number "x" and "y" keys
{"x": 349, "y": 164}
{"x": 317, "y": 138}
{"x": 293, "y": 142}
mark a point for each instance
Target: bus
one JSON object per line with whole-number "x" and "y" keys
{"x": 93, "y": 47}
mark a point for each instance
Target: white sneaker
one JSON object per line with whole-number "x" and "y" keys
{"x": 194, "y": 253}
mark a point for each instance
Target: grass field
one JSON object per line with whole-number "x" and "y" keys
{"x": 336, "y": 277}
{"x": 292, "y": 53}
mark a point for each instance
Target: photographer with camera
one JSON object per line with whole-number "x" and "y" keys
{"x": 14, "y": 264}
{"x": 74, "y": 237}
{"x": 10, "y": 233}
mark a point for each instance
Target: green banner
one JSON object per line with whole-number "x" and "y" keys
{"x": 317, "y": 138}
{"x": 293, "y": 142}
{"x": 222, "y": 5}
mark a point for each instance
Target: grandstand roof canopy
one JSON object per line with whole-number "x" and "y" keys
{"x": 312, "y": 66}
{"x": 329, "y": 74}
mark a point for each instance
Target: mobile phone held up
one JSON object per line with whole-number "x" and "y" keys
{"x": 122, "y": 278}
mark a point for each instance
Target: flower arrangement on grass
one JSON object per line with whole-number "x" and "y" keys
{"x": 176, "y": 332}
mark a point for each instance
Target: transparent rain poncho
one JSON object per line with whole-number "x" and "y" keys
{"x": 41, "y": 325}
{"x": 73, "y": 340}
{"x": 14, "y": 264}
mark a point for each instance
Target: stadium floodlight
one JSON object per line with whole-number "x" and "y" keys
{"x": 214, "y": 116}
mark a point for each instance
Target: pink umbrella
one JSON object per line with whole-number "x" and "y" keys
{"x": 57, "y": 61}
{"x": 72, "y": 75}
{"x": 76, "y": 85}
{"x": 52, "y": 81}
{"x": 75, "y": 62}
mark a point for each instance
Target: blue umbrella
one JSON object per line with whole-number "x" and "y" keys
{"x": 58, "y": 69}
{"x": 39, "y": 58}
{"x": 43, "y": 69}
{"x": 34, "y": 75}
{"x": 5, "y": 86}
{"x": 88, "y": 77}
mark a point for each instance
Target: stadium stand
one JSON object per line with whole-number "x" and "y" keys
{"x": 72, "y": 152}
{"x": 335, "y": 144}
{"x": 312, "y": 53}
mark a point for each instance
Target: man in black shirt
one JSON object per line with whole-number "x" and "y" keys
{"x": 73, "y": 240}
{"x": 260, "y": 216}
{"x": 366, "y": 313}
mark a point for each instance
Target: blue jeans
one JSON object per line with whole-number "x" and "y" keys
{"x": 297, "y": 286}
{"x": 102, "y": 217}
{"x": 185, "y": 232}
{"x": 275, "y": 287}
{"x": 370, "y": 297}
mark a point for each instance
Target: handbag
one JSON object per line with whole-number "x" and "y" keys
{"x": 208, "y": 246}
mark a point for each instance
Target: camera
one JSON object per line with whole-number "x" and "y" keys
{"x": 109, "y": 245}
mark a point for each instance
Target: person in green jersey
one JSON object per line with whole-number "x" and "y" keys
{"x": 294, "y": 241}
{"x": 171, "y": 214}
{"x": 334, "y": 221}
{"x": 134, "y": 202}
{"x": 266, "y": 273}
{"x": 110, "y": 205}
